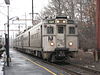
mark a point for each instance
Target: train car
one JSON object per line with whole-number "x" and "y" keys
{"x": 53, "y": 39}
{"x": 1, "y": 41}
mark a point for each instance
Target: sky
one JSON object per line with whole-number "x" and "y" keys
{"x": 19, "y": 8}
{"x": 26, "y": 5}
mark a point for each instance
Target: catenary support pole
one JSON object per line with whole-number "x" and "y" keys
{"x": 98, "y": 29}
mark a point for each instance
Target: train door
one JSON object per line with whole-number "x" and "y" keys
{"x": 61, "y": 36}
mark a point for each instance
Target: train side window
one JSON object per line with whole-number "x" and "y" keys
{"x": 50, "y": 30}
{"x": 71, "y": 30}
{"x": 60, "y": 30}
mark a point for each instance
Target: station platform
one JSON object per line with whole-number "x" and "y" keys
{"x": 21, "y": 65}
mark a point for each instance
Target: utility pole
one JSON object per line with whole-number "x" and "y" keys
{"x": 7, "y": 37}
{"x": 32, "y": 11}
{"x": 81, "y": 13}
{"x": 98, "y": 29}
{"x": 25, "y": 21}
{"x": 8, "y": 57}
{"x": 59, "y": 11}
{"x": 72, "y": 10}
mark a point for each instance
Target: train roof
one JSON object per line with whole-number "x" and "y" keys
{"x": 34, "y": 26}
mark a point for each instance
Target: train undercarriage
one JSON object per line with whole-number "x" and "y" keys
{"x": 59, "y": 55}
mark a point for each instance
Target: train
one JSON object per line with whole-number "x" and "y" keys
{"x": 2, "y": 49}
{"x": 53, "y": 39}
{"x": 1, "y": 41}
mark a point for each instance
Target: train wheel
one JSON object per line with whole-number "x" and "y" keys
{"x": 67, "y": 60}
{"x": 52, "y": 58}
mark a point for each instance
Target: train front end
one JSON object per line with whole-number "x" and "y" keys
{"x": 60, "y": 38}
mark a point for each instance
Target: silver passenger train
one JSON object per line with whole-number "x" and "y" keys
{"x": 52, "y": 39}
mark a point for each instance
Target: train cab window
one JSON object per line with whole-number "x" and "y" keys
{"x": 50, "y": 30}
{"x": 60, "y": 30}
{"x": 71, "y": 30}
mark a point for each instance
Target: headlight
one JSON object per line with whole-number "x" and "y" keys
{"x": 64, "y": 21}
{"x": 51, "y": 43}
{"x": 70, "y": 43}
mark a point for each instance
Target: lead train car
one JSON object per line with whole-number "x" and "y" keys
{"x": 52, "y": 39}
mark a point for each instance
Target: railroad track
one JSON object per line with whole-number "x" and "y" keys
{"x": 75, "y": 69}
{"x": 87, "y": 69}
{"x": 80, "y": 70}
{"x": 71, "y": 68}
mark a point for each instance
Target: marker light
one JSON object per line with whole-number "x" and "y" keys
{"x": 57, "y": 21}
{"x": 64, "y": 21}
